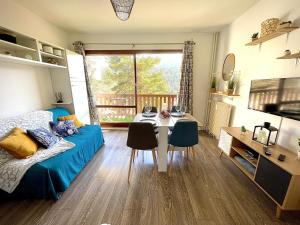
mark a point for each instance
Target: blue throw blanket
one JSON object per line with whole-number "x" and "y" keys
{"x": 48, "y": 179}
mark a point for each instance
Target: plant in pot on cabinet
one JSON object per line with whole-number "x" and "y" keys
{"x": 231, "y": 85}
{"x": 213, "y": 87}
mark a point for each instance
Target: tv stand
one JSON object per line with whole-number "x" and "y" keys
{"x": 280, "y": 181}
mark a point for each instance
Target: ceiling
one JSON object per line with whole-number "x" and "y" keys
{"x": 97, "y": 16}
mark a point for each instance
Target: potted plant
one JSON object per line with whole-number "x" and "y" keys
{"x": 243, "y": 130}
{"x": 213, "y": 87}
{"x": 230, "y": 86}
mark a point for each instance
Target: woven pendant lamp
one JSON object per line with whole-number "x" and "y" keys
{"x": 122, "y": 8}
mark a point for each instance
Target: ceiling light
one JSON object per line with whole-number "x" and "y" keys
{"x": 122, "y": 8}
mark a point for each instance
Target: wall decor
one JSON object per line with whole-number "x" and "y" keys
{"x": 228, "y": 67}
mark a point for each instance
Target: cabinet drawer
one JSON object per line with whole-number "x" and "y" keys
{"x": 274, "y": 180}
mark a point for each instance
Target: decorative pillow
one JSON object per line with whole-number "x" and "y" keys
{"x": 43, "y": 137}
{"x": 78, "y": 124}
{"x": 64, "y": 128}
{"x": 19, "y": 144}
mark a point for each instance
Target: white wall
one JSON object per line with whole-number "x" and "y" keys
{"x": 260, "y": 62}
{"x": 26, "y": 88}
{"x": 202, "y": 55}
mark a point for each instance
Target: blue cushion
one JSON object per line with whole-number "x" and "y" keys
{"x": 58, "y": 112}
{"x": 43, "y": 137}
{"x": 64, "y": 128}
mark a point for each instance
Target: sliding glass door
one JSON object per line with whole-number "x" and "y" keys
{"x": 124, "y": 81}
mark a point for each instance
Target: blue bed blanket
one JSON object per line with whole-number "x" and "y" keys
{"x": 48, "y": 179}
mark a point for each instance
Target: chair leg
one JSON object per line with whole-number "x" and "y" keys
{"x": 187, "y": 152}
{"x": 193, "y": 151}
{"x": 130, "y": 163}
{"x": 154, "y": 159}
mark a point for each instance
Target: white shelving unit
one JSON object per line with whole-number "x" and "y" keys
{"x": 26, "y": 51}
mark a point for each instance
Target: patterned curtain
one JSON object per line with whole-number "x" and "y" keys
{"x": 185, "y": 96}
{"x": 79, "y": 48}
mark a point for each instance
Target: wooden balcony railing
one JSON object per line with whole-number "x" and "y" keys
{"x": 120, "y": 106}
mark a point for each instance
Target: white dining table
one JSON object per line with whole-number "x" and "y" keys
{"x": 163, "y": 125}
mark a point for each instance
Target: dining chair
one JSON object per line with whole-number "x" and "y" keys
{"x": 141, "y": 136}
{"x": 153, "y": 109}
{"x": 184, "y": 134}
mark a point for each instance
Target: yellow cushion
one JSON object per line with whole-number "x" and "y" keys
{"x": 77, "y": 123}
{"x": 19, "y": 144}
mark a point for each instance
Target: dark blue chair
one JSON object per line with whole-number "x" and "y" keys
{"x": 184, "y": 134}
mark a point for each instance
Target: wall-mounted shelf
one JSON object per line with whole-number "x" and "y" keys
{"x": 268, "y": 37}
{"x": 292, "y": 56}
{"x": 51, "y": 55}
{"x": 18, "y": 60}
{"x": 12, "y": 46}
{"x": 26, "y": 51}
{"x": 224, "y": 94}
{"x": 62, "y": 103}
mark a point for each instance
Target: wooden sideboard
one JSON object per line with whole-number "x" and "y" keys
{"x": 278, "y": 180}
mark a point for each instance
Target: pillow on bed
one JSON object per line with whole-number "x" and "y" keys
{"x": 43, "y": 137}
{"x": 19, "y": 144}
{"x": 78, "y": 124}
{"x": 64, "y": 128}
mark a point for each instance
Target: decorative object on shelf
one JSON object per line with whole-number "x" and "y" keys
{"x": 48, "y": 49}
{"x": 228, "y": 67}
{"x": 285, "y": 24}
{"x": 40, "y": 46}
{"x": 298, "y": 153}
{"x": 8, "y": 37}
{"x": 27, "y": 56}
{"x": 59, "y": 97}
{"x": 265, "y": 134}
{"x": 287, "y": 52}
{"x": 267, "y": 151}
{"x": 231, "y": 85}
{"x": 52, "y": 61}
{"x": 269, "y": 26}
{"x": 57, "y": 52}
{"x": 8, "y": 53}
{"x": 213, "y": 86}
{"x": 243, "y": 130}
{"x": 122, "y": 8}
{"x": 254, "y": 36}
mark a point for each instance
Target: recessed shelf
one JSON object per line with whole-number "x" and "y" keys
{"x": 268, "y": 37}
{"x": 12, "y": 46}
{"x": 242, "y": 153}
{"x": 13, "y": 59}
{"x": 292, "y": 56}
{"x": 51, "y": 55}
{"x": 242, "y": 168}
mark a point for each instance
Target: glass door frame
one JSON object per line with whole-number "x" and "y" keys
{"x": 132, "y": 53}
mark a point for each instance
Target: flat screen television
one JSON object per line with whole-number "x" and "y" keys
{"x": 280, "y": 97}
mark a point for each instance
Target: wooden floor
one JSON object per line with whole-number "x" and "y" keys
{"x": 206, "y": 190}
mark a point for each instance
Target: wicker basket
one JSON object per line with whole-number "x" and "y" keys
{"x": 269, "y": 26}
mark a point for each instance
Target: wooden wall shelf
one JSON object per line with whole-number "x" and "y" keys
{"x": 292, "y": 56}
{"x": 224, "y": 94}
{"x": 268, "y": 37}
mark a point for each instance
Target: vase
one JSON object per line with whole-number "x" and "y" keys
{"x": 230, "y": 91}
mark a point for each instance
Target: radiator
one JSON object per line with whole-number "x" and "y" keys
{"x": 219, "y": 117}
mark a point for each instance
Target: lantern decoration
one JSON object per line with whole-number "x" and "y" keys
{"x": 122, "y": 8}
{"x": 265, "y": 134}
